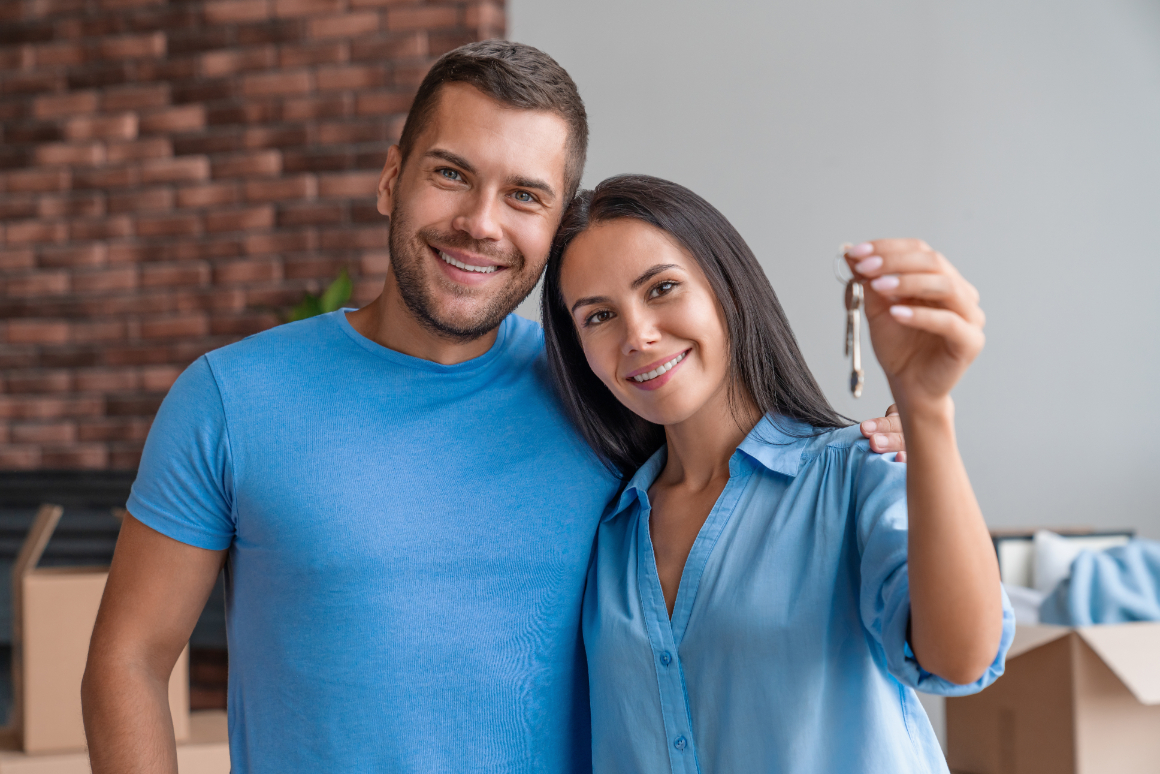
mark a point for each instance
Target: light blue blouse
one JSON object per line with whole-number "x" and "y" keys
{"x": 787, "y": 647}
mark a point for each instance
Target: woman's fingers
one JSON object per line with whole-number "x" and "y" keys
{"x": 966, "y": 339}
{"x": 952, "y": 292}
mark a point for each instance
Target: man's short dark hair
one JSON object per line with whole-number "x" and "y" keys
{"x": 513, "y": 74}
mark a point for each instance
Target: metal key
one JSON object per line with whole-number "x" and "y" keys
{"x": 855, "y": 298}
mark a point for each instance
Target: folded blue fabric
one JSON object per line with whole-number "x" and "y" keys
{"x": 1114, "y": 586}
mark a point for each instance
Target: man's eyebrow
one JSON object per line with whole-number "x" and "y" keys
{"x": 650, "y": 273}
{"x": 519, "y": 181}
{"x": 451, "y": 158}
{"x": 589, "y": 301}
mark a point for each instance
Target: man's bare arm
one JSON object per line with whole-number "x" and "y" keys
{"x": 156, "y": 590}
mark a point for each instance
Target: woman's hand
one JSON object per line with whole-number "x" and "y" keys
{"x": 925, "y": 322}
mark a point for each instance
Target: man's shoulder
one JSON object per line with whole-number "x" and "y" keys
{"x": 303, "y": 336}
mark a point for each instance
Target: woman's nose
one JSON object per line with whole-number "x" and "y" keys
{"x": 640, "y": 332}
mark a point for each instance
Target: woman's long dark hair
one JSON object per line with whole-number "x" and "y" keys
{"x": 765, "y": 364}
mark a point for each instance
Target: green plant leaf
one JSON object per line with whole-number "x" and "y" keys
{"x": 337, "y": 294}
{"x": 307, "y": 307}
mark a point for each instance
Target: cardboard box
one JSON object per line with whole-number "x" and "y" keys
{"x": 54, "y": 610}
{"x": 1080, "y": 700}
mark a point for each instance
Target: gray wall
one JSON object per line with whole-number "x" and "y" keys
{"x": 1020, "y": 139}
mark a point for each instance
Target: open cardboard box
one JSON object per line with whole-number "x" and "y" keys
{"x": 54, "y": 610}
{"x": 1080, "y": 700}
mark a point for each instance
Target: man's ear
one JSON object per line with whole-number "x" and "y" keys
{"x": 388, "y": 180}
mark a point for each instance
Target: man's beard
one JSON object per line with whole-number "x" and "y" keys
{"x": 410, "y": 249}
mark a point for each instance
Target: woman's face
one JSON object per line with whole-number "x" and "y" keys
{"x": 651, "y": 328}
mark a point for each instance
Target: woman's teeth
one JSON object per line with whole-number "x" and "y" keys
{"x": 661, "y": 369}
{"x": 466, "y": 266}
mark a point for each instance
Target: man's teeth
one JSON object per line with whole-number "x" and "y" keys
{"x": 466, "y": 266}
{"x": 661, "y": 369}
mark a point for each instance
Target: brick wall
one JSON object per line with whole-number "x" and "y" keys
{"x": 173, "y": 176}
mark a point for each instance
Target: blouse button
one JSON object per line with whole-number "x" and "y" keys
{"x": 679, "y": 743}
{"x": 666, "y": 659}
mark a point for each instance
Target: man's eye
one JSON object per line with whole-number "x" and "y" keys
{"x": 661, "y": 288}
{"x": 524, "y": 197}
{"x": 450, "y": 174}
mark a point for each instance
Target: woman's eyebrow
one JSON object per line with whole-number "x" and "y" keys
{"x": 652, "y": 272}
{"x": 588, "y": 301}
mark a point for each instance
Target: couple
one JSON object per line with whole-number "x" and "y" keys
{"x": 638, "y": 540}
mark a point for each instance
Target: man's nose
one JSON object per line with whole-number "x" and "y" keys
{"x": 480, "y": 218}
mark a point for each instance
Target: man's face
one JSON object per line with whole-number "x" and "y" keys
{"x": 473, "y": 210}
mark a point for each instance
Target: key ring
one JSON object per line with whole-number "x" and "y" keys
{"x": 839, "y": 261}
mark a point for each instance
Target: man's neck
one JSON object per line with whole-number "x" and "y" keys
{"x": 387, "y": 321}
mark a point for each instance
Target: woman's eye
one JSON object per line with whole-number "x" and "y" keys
{"x": 524, "y": 197}
{"x": 661, "y": 288}
{"x": 598, "y": 317}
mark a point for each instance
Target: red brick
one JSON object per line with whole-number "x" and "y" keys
{"x": 135, "y": 97}
{"x": 240, "y": 220}
{"x": 14, "y": 260}
{"x": 25, "y": 231}
{"x": 106, "y": 380}
{"x": 44, "y": 432}
{"x": 213, "y": 64}
{"x": 104, "y": 228}
{"x": 75, "y": 457}
{"x": 94, "y": 254}
{"x": 126, "y": 429}
{"x": 207, "y": 195}
{"x": 116, "y": 5}
{"x": 383, "y": 103}
{"x": 119, "y": 127}
{"x": 39, "y": 381}
{"x": 33, "y": 82}
{"x": 37, "y": 332}
{"x": 374, "y": 263}
{"x": 276, "y": 136}
{"x": 19, "y": 207}
{"x": 281, "y": 189}
{"x": 276, "y": 83}
{"x": 159, "y": 377}
{"x": 485, "y": 16}
{"x": 106, "y": 280}
{"x": 345, "y": 132}
{"x": 425, "y": 18}
{"x": 279, "y": 242}
{"x": 59, "y": 54}
{"x": 252, "y": 270}
{"x": 133, "y": 150}
{"x": 133, "y": 405}
{"x": 181, "y": 224}
{"x": 59, "y": 105}
{"x": 307, "y": 108}
{"x": 260, "y": 163}
{"x": 42, "y": 283}
{"x": 127, "y": 252}
{"x": 175, "y": 275}
{"x": 133, "y": 46}
{"x": 177, "y": 169}
{"x": 323, "y": 53}
{"x": 354, "y": 238}
{"x": 230, "y": 11}
{"x": 159, "y": 199}
{"x": 347, "y": 77}
{"x": 312, "y": 267}
{"x": 106, "y": 177}
{"x": 285, "y": 8}
{"x": 84, "y": 205}
{"x": 100, "y": 331}
{"x": 177, "y": 326}
{"x": 410, "y": 76}
{"x": 65, "y": 154}
{"x": 379, "y": 3}
{"x": 54, "y": 7}
{"x": 38, "y": 180}
{"x": 125, "y": 459}
{"x": 348, "y": 185}
{"x": 310, "y": 214}
{"x": 345, "y": 25}
{"x": 186, "y": 118}
{"x": 19, "y": 457}
{"x": 406, "y": 45}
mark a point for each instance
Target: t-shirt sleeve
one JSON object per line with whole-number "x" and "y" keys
{"x": 184, "y": 485}
{"x": 880, "y": 508}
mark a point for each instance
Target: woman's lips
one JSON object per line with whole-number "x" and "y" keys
{"x": 670, "y": 364}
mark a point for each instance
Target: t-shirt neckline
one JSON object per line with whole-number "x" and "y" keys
{"x": 409, "y": 361}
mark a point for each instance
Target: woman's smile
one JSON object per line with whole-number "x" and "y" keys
{"x": 657, "y": 374}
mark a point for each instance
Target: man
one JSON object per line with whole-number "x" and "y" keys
{"x": 406, "y": 513}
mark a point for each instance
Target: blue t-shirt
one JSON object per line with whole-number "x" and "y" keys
{"x": 786, "y": 651}
{"x": 408, "y": 544}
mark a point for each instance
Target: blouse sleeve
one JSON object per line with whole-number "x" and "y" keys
{"x": 880, "y": 511}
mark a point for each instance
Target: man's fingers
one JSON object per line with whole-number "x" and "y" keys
{"x": 884, "y": 433}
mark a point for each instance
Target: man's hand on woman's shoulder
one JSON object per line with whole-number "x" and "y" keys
{"x": 885, "y": 433}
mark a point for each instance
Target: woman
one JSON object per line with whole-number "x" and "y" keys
{"x": 756, "y": 601}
